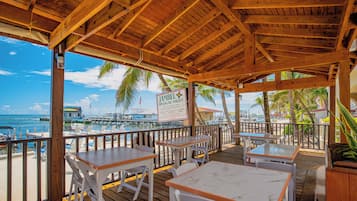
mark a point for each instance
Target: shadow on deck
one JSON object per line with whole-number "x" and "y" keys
{"x": 307, "y": 163}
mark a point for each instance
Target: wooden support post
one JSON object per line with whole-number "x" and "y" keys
{"x": 191, "y": 107}
{"x": 332, "y": 138}
{"x": 344, "y": 87}
{"x": 237, "y": 115}
{"x": 56, "y": 162}
{"x": 249, "y": 49}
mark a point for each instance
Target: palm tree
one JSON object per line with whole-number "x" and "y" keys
{"x": 225, "y": 109}
{"x": 266, "y": 110}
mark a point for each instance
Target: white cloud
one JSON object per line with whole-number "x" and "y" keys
{"x": 4, "y": 72}
{"x": 9, "y": 40}
{"x": 12, "y": 53}
{"x": 111, "y": 81}
{"x": 6, "y": 108}
{"x": 86, "y": 103}
{"x": 40, "y": 108}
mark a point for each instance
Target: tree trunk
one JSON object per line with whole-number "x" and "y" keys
{"x": 166, "y": 86}
{"x": 266, "y": 110}
{"x": 292, "y": 111}
{"x": 304, "y": 107}
{"x": 225, "y": 109}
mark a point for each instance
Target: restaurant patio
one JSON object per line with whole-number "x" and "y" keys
{"x": 232, "y": 45}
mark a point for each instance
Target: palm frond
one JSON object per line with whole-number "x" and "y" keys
{"x": 106, "y": 68}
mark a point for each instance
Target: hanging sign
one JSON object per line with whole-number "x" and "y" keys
{"x": 172, "y": 106}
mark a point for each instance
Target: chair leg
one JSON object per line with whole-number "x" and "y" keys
{"x": 70, "y": 190}
{"x": 138, "y": 188}
{"x": 122, "y": 180}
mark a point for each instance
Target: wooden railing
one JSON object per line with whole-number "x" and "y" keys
{"x": 308, "y": 136}
{"x": 25, "y": 161}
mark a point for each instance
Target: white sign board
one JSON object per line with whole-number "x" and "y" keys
{"x": 172, "y": 106}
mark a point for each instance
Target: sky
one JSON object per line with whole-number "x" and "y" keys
{"x": 25, "y": 83}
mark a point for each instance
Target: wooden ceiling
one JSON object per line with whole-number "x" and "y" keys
{"x": 219, "y": 43}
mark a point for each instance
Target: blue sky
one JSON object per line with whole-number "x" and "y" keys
{"x": 25, "y": 83}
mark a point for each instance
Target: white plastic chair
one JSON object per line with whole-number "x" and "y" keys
{"x": 143, "y": 170}
{"x": 201, "y": 148}
{"x": 183, "y": 168}
{"x": 291, "y": 168}
{"x": 78, "y": 181}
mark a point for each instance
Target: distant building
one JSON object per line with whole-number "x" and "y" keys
{"x": 72, "y": 113}
{"x": 207, "y": 114}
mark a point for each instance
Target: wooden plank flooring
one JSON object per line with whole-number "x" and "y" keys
{"x": 307, "y": 163}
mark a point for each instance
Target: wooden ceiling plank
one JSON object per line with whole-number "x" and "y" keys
{"x": 83, "y": 12}
{"x": 293, "y": 49}
{"x": 214, "y": 35}
{"x": 349, "y": 4}
{"x": 218, "y": 49}
{"x": 234, "y": 18}
{"x": 262, "y": 4}
{"x": 283, "y": 65}
{"x": 192, "y": 30}
{"x": 295, "y": 20}
{"x": 224, "y": 57}
{"x": 129, "y": 19}
{"x": 31, "y": 5}
{"x": 299, "y": 42}
{"x": 163, "y": 26}
{"x": 299, "y": 33}
{"x": 103, "y": 19}
{"x": 332, "y": 71}
{"x": 310, "y": 82}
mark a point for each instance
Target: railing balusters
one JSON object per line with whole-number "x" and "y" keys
{"x": 24, "y": 171}
{"x": 38, "y": 158}
{"x": 9, "y": 172}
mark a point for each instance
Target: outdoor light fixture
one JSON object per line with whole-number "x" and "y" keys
{"x": 60, "y": 57}
{"x": 240, "y": 85}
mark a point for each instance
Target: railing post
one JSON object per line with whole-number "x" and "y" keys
{"x": 220, "y": 138}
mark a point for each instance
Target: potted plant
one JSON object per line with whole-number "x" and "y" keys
{"x": 341, "y": 171}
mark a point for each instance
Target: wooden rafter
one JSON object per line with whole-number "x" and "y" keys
{"x": 293, "y": 49}
{"x": 189, "y": 32}
{"x": 349, "y": 4}
{"x": 303, "y": 62}
{"x": 129, "y": 19}
{"x": 262, "y": 4}
{"x": 332, "y": 71}
{"x": 163, "y": 26}
{"x": 214, "y": 35}
{"x": 224, "y": 57}
{"x": 352, "y": 38}
{"x": 219, "y": 48}
{"x": 299, "y": 42}
{"x": 311, "y": 82}
{"x": 31, "y": 5}
{"x": 83, "y": 12}
{"x": 298, "y": 33}
{"x": 264, "y": 52}
{"x": 101, "y": 20}
{"x": 302, "y": 20}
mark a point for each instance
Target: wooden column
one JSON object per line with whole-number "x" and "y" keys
{"x": 191, "y": 107}
{"x": 237, "y": 115}
{"x": 332, "y": 101}
{"x": 344, "y": 87}
{"x": 56, "y": 160}
{"x": 249, "y": 50}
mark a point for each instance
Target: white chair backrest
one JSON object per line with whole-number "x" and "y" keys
{"x": 73, "y": 163}
{"x": 184, "y": 168}
{"x": 180, "y": 196}
{"x": 144, "y": 148}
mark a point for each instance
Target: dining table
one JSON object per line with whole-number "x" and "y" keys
{"x": 177, "y": 144}
{"x": 228, "y": 182}
{"x": 274, "y": 152}
{"x": 103, "y": 162}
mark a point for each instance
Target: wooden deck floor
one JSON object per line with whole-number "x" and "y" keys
{"x": 307, "y": 163}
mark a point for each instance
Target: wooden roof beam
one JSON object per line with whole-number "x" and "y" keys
{"x": 163, "y": 26}
{"x": 192, "y": 30}
{"x": 262, "y": 4}
{"x": 293, "y": 49}
{"x": 288, "y": 64}
{"x": 349, "y": 4}
{"x": 298, "y": 42}
{"x": 129, "y": 18}
{"x": 224, "y": 57}
{"x": 83, "y": 12}
{"x": 214, "y": 35}
{"x": 310, "y": 82}
{"x": 101, "y": 20}
{"x": 219, "y": 48}
{"x": 298, "y": 33}
{"x": 295, "y": 20}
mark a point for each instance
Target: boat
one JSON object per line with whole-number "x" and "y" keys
{"x": 5, "y": 134}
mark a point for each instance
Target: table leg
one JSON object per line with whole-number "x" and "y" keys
{"x": 244, "y": 150}
{"x": 189, "y": 154}
{"x": 172, "y": 194}
{"x": 177, "y": 157}
{"x": 151, "y": 182}
{"x": 99, "y": 178}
